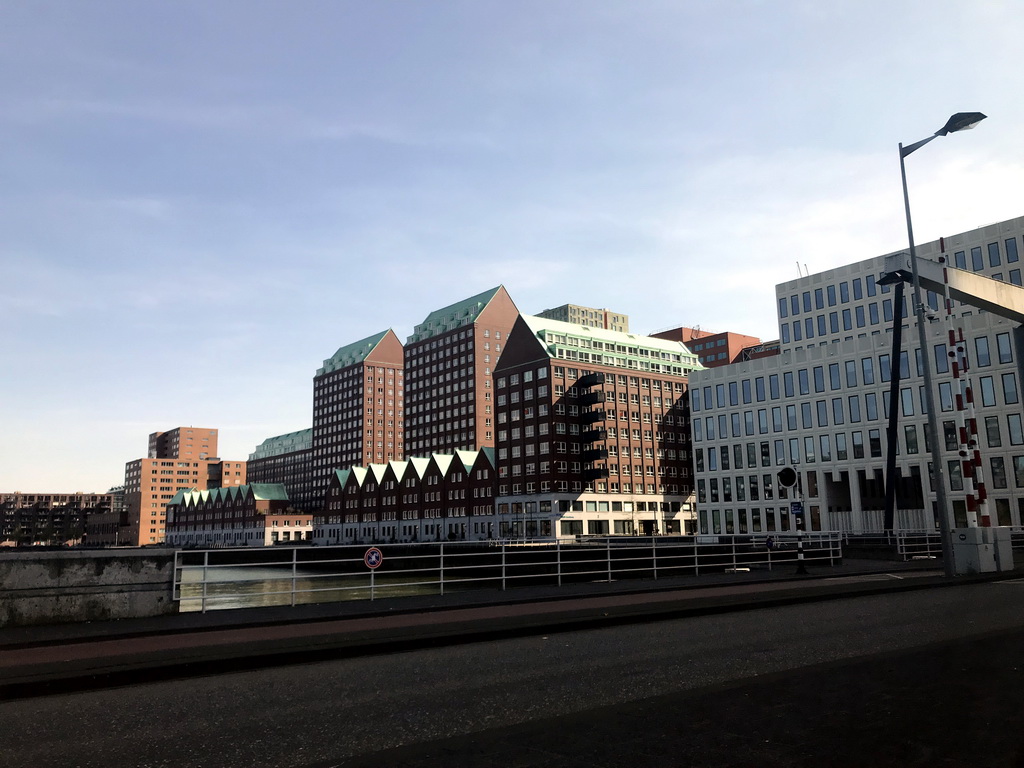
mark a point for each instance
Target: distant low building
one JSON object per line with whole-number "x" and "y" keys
{"x": 712, "y": 349}
{"x": 589, "y": 316}
{"x": 49, "y": 518}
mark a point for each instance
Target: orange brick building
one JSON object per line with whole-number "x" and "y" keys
{"x": 183, "y": 458}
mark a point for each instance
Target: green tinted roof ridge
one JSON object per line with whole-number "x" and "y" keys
{"x": 352, "y": 353}
{"x": 463, "y": 311}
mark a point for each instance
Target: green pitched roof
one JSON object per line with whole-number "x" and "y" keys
{"x": 281, "y": 444}
{"x": 461, "y": 313}
{"x": 268, "y": 491}
{"x": 355, "y": 352}
{"x": 262, "y": 491}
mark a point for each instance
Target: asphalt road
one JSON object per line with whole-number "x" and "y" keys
{"x": 570, "y": 688}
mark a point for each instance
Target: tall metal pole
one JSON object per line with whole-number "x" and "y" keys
{"x": 894, "y": 396}
{"x": 938, "y": 475}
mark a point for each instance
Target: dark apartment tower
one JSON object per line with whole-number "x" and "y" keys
{"x": 357, "y": 408}
{"x": 448, "y": 363}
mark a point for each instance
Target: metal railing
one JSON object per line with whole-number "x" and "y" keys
{"x": 236, "y": 578}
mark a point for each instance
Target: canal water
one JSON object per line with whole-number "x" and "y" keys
{"x": 249, "y": 586}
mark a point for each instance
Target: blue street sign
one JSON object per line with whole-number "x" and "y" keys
{"x": 797, "y": 508}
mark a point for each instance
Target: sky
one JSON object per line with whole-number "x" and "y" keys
{"x": 200, "y": 202}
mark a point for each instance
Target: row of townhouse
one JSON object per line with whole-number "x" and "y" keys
{"x": 443, "y": 497}
{"x": 252, "y": 515}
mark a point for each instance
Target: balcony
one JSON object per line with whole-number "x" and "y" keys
{"x": 594, "y": 435}
{"x": 592, "y": 417}
{"x": 590, "y": 398}
{"x": 595, "y": 454}
{"x": 596, "y": 473}
{"x": 590, "y": 380}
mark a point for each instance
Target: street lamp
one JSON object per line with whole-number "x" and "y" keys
{"x": 961, "y": 121}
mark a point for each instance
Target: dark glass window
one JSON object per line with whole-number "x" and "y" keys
{"x": 830, "y": 292}
{"x": 960, "y": 260}
{"x": 844, "y": 292}
{"x": 984, "y": 357}
{"x": 1003, "y": 348}
{"x": 819, "y": 298}
{"x": 867, "y": 367}
{"x": 854, "y": 407}
{"x": 977, "y": 262}
{"x": 1011, "y": 250}
{"x": 783, "y": 308}
{"x": 858, "y": 292}
{"x": 993, "y": 255}
{"x": 851, "y": 373}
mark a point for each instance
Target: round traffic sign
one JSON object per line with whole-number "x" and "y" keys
{"x": 373, "y": 558}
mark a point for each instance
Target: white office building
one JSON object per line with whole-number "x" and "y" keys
{"x": 820, "y": 406}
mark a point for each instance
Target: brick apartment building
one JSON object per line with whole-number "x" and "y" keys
{"x": 183, "y": 458}
{"x": 449, "y": 360}
{"x": 358, "y": 405}
{"x": 593, "y": 434}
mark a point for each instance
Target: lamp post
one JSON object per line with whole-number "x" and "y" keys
{"x": 959, "y": 122}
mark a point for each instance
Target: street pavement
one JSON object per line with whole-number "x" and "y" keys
{"x": 38, "y": 661}
{"x": 923, "y": 676}
{"x": 957, "y": 703}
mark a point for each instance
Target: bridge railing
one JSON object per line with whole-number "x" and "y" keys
{"x": 235, "y": 578}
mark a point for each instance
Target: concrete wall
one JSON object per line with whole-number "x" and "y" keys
{"x": 70, "y": 586}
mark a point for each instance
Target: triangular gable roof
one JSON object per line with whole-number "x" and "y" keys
{"x": 341, "y": 476}
{"x": 352, "y": 353}
{"x": 442, "y": 461}
{"x": 398, "y": 468}
{"x": 468, "y": 458}
{"x": 377, "y": 471}
{"x": 358, "y": 474}
{"x": 488, "y": 453}
{"x": 419, "y": 466}
{"x": 460, "y": 313}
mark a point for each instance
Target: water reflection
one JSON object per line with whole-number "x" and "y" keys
{"x": 256, "y": 586}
